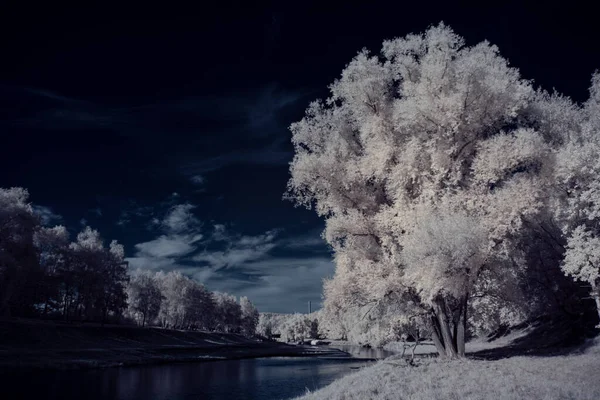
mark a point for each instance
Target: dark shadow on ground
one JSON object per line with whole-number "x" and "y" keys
{"x": 547, "y": 336}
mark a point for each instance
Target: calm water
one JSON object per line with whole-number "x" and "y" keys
{"x": 365, "y": 352}
{"x": 264, "y": 378}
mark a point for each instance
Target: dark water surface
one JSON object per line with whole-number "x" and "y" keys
{"x": 262, "y": 378}
{"x": 364, "y": 352}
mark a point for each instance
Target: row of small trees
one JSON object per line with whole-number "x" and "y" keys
{"x": 172, "y": 300}
{"x": 452, "y": 189}
{"x": 43, "y": 274}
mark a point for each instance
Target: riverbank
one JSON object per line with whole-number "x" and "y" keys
{"x": 570, "y": 376}
{"x": 55, "y": 345}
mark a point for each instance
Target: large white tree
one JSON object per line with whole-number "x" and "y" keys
{"x": 426, "y": 164}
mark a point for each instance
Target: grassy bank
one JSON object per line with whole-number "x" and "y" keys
{"x": 39, "y": 344}
{"x": 573, "y": 376}
{"x": 490, "y": 372}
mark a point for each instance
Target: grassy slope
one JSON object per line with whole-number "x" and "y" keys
{"x": 574, "y": 376}
{"x": 58, "y": 345}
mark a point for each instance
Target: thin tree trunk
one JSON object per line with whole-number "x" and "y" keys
{"x": 436, "y": 336}
{"x": 440, "y": 309}
{"x": 461, "y": 327}
{"x": 596, "y": 296}
{"x": 6, "y": 296}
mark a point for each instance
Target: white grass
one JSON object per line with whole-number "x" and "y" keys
{"x": 574, "y": 376}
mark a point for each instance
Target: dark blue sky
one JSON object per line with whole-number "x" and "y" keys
{"x": 167, "y": 129}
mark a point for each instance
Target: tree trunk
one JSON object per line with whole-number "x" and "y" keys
{"x": 5, "y": 297}
{"x": 436, "y": 336}
{"x": 596, "y": 295}
{"x": 444, "y": 322}
{"x": 461, "y": 327}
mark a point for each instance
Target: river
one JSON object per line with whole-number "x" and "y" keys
{"x": 261, "y": 378}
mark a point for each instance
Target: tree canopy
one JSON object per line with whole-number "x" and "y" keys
{"x": 432, "y": 164}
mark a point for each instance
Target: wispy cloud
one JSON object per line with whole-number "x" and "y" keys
{"x": 307, "y": 241}
{"x": 180, "y": 219}
{"x": 253, "y": 118}
{"x": 261, "y": 120}
{"x": 262, "y": 266}
{"x": 133, "y": 211}
{"x": 168, "y": 246}
{"x": 52, "y": 95}
{"x": 263, "y": 156}
{"x": 240, "y": 250}
{"x": 180, "y": 234}
{"x": 47, "y": 216}
{"x": 279, "y": 284}
{"x": 198, "y": 180}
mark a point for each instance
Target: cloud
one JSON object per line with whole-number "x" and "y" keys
{"x": 234, "y": 256}
{"x": 52, "y": 95}
{"x": 312, "y": 240}
{"x": 197, "y": 180}
{"x": 244, "y": 265}
{"x": 278, "y": 273}
{"x": 219, "y": 233}
{"x": 262, "y": 268}
{"x": 47, "y": 216}
{"x": 265, "y": 109}
{"x": 180, "y": 219}
{"x": 180, "y": 236}
{"x": 279, "y": 284}
{"x": 272, "y": 155}
{"x": 240, "y": 250}
{"x": 168, "y": 246}
{"x": 152, "y": 263}
{"x": 133, "y": 211}
{"x": 258, "y": 118}
{"x": 255, "y": 119}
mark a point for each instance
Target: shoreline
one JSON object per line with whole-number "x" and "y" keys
{"x": 108, "y": 358}
{"x": 42, "y": 345}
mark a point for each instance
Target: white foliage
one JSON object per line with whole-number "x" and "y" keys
{"x": 443, "y": 253}
{"x": 144, "y": 297}
{"x": 425, "y": 162}
{"x": 577, "y": 205}
{"x": 582, "y": 258}
{"x": 250, "y": 316}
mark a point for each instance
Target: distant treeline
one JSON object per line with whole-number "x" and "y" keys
{"x": 172, "y": 300}
{"x": 290, "y": 327}
{"x": 44, "y": 275}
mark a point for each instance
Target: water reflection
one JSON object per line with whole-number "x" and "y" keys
{"x": 364, "y": 352}
{"x": 269, "y": 378}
